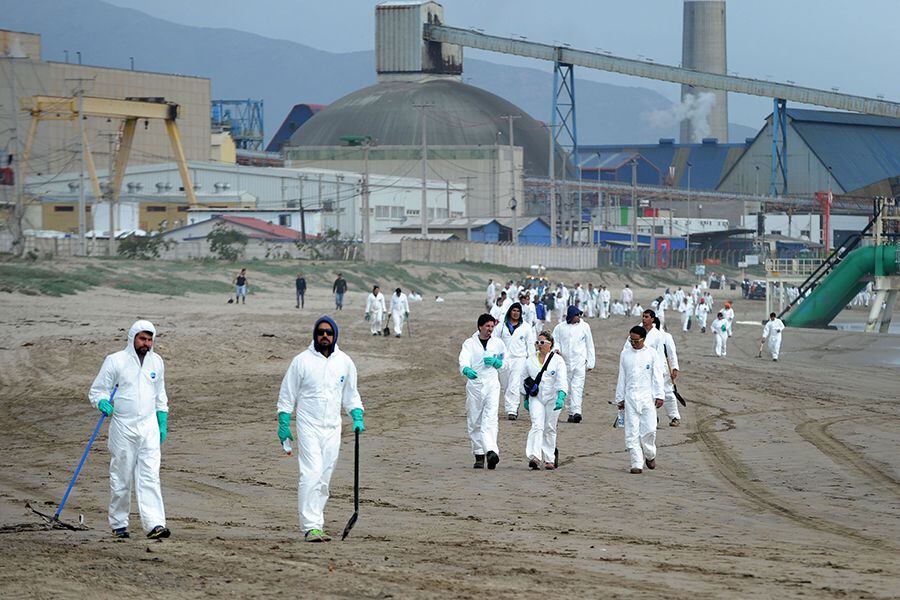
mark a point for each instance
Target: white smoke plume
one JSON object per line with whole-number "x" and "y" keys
{"x": 695, "y": 108}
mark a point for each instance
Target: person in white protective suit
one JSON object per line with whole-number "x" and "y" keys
{"x": 604, "y": 297}
{"x": 669, "y": 356}
{"x": 639, "y": 392}
{"x": 375, "y": 310}
{"x": 138, "y": 426}
{"x": 702, "y": 314}
{"x": 627, "y": 297}
{"x": 545, "y": 404}
{"x": 728, "y": 313}
{"x": 720, "y": 328}
{"x": 399, "y": 311}
{"x": 497, "y": 310}
{"x": 590, "y": 303}
{"x": 575, "y": 342}
{"x": 518, "y": 337}
{"x": 772, "y": 332}
{"x": 491, "y": 294}
{"x": 687, "y": 309}
{"x": 653, "y": 340}
{"x": 529, "y": 311}
{"x": 319, "y": 382}
{"x": 636, "y": 309}
{"x": 480, "y": 359}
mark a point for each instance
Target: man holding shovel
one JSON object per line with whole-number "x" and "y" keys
{"x": 320, "y": 381}
{"x": 138, "y": 427}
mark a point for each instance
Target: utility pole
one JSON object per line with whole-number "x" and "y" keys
{"x": 365, "y": 142}
{"x": 424, "y": 209}
{"x": 18, "y": 185}
{"x": 512, "y": 178}
{"x": 634, "y": 228}
{"x": 82, "y": 214}
{"x": 552, "y": 189}
{"x": 111, "y": 138}
{"x": 688, "y": 236}
{"x": 467, "y": 204}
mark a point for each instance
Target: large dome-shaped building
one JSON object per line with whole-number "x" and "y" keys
{"x": 458, "y": 115}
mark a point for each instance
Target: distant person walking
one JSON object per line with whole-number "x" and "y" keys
{"x": 339, "y": 288}
{"x": 639, "y": 392}
{"x": 241, "y": 284}
{"x": 301, "y": 289}
{"x": 772, "y": 332}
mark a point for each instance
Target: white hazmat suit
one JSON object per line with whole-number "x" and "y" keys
{"x": 720, "y": 328}
{"x": 375, "y": 309}
{"x": 669, "y": 356}
{"x": 772, "y": 332}
{"x": 575, "y": 342}
{"x": 316, "y": 388}
{"x": 134, "y": 430}
{"x": 519, "y": 344}
{"x": 640, "y": 383}
{"x": 399, "y": 310}
{"x": 541, "y": 444}
{"x": 483, "y": 393}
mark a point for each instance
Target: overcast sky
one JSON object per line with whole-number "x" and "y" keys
{"x": 818, "y": 43}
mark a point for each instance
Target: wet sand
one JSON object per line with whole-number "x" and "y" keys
{"x": 781, "y": 482}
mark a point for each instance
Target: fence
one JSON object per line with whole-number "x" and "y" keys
{"x": 444, "y": 252}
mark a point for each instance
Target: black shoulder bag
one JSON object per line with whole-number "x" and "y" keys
{"x": 532, "y": 384}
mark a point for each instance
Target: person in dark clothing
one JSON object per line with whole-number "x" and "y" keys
{"x": 339, "y": 288}
{"x": 301, "y": 289}
{"x": 240, "y": 286}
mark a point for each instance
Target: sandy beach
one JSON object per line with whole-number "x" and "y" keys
{"x": 781, "y": 482}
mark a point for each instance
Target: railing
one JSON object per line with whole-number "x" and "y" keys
{"x": 792, "y": 266}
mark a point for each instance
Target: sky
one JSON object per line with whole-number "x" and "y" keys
{"x": 817, "y": 43}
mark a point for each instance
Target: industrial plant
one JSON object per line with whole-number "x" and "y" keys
{"x": 98, "y": 153}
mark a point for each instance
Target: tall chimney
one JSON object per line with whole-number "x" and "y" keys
{"x": 703, "y": 49}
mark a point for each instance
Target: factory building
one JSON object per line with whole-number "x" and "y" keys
{"x": 57, "y": 144}
{"x": 849, "y": 153}
{"x": 152, "y": 196}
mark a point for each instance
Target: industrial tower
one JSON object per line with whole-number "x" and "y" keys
{"x": 703, "y": 49}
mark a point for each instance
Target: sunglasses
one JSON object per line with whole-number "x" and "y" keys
{"x": 542, "y": 342}
{"x": 328, "y": 332}
{"x": 635, "y": 341}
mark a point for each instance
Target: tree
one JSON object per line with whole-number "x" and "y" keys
{"x": 329, "y": 246}
{"x": 144, "y": 247}
{"x": 226, "y": 243}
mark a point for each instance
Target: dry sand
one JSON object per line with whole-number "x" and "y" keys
{"x": 782, "y": 481}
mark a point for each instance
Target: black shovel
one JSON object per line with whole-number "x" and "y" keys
{"x": 678, "y": 396}
{"x": 355, "y": 514}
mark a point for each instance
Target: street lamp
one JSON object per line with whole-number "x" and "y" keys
{"x": 688, "y": 236}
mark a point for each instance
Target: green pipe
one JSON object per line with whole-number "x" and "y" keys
{"x": 839, "y": 287}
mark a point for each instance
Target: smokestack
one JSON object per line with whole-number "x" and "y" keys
{"x": 703, "y": 49}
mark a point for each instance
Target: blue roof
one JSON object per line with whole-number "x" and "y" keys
{"x": 299, "y": 114}
{"x": 859, "y": 149}
{"x": 606, "y": 160}
{"x": 709, "y": 160}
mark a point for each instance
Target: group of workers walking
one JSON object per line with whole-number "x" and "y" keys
{"x": 513, "y": 354}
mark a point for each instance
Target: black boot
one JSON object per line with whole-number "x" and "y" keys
{"x": 479, "y": 461}
{"x": 492, "y": 459}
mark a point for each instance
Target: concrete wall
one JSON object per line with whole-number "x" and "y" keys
{"x": 434, "y": 251}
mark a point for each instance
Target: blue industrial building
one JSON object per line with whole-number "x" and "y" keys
{"x": 704, "y": 163}
{"x": 847, "y": 153}
{"x": 617, "y": 166}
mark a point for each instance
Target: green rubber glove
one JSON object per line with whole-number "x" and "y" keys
{"x": 368, "y": 316}
{"x": 284, "y": 427}
{"x": 163, "y": 419}
{"x": 470, "y": 373}
{"x": 105, "y": 407}
{"x": 525, "y": 404}
{"x": 560, "y": 396}
{"x": 498, "y": 363}
{"x": 406, "y": 315}
{"x": 357, "y": 415}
